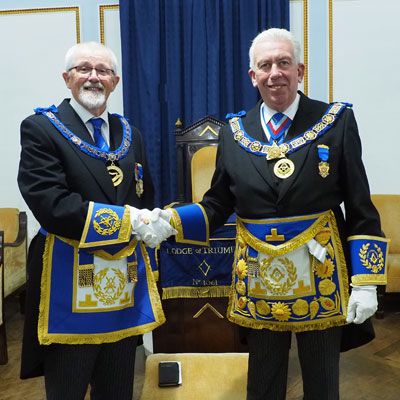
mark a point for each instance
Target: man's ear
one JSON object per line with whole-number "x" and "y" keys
{"x": 115, "y": 83}
{"x": 252, "y": 75}
{"x": 300, "y": 72}
{"x": 66, "y": 77}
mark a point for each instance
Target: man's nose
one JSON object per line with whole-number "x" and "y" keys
{"x": 275, "y": 71}
{"x": 93, "y": 76}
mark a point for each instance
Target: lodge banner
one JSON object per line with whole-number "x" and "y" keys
{"x": 191, "y": 271}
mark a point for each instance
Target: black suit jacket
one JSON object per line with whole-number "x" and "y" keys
{"x": 57, "y": 181}
{"x": 244, "y": 182}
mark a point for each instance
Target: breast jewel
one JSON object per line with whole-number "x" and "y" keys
{"x": 272, "y": 152}
{"x": 111, "y": 156}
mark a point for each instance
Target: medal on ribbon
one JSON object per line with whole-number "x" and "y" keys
{"x": 323, "y": 154}
{"x": 139, "y": 179}
{"x": 284, "y": 168}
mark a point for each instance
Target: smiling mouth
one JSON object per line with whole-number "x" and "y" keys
{"x": 94, "y": 89}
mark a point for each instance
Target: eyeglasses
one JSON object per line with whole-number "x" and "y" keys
{"x": 86, "y": 70}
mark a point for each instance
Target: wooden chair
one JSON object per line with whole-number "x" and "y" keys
{"x": 388, "y": 206}
{"x": 221, "y": 376}
{"x": 3, "y": 339}
{"x": 196, "y": 151}
{"x": 14, "y": 224}
{"x": 196, "y": 325}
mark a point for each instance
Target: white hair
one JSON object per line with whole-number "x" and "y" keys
{"x": 89, "y": 47}
{"x": 275, "y": 34}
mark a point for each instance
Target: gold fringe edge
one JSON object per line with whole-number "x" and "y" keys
{"x": 195, "y": 292}
{"x": 282, "y": 326}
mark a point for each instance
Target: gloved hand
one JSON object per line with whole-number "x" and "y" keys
{"x": 166, "y": 215}
{"x": 363, "y": 304}
{"x": 149, "y": 227}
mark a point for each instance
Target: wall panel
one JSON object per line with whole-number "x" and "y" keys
{"x": 366, "y": 66}
{"x": 33, "y": 44}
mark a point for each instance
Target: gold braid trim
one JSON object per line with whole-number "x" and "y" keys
{"x": 290, "y": 245}
{"x": 369, "y": 279}
{"x": 176, "y": 223}
{"x": 126, "y": 226}
{"x": 124, "y": 252}
{"x": 153, "y": 291}
{"x": 156, "y": 275}
{"x": 44, "y": 305}
{"x": 340, "y": 264}
{"x": 195, "y": 292}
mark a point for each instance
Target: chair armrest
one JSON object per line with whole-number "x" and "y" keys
{"x": 22, "y": 231}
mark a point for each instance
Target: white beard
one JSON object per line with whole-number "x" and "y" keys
{"x": 92, "y": 99}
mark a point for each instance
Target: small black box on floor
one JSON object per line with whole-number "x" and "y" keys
{"x": 169, "y": 373}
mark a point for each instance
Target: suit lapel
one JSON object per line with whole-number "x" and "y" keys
{"x": 305, "y": 117}
{"x": 126, "y": 164}
{"x": 95, "y": 167}
{"x": 253, "y": 128}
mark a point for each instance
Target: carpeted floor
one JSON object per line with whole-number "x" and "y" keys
{"x": 368, "y": 373}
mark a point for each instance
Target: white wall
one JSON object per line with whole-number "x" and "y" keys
{"x": 352, "y": 56}
{"x": 366, "y": 73}
{"x": 354, "y": 61}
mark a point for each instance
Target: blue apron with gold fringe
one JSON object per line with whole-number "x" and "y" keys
{"x": 92, "y": 292}
{"x": 278, "y": 281}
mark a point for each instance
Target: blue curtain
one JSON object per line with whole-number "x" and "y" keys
{"x": 187, "y": 59}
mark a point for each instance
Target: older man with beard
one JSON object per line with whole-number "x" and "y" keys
{"x": 84, "y": 175}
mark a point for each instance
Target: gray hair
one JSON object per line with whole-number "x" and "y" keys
{"x": 89, "y": 47}
{"x": 275, "y": 34}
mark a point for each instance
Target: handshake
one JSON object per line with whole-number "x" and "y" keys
{"x": 151, "y": 227}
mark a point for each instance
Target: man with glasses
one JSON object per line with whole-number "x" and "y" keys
{"x": 91, "y": 291}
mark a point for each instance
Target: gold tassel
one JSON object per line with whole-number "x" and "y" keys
{"x": 85, "y": 277}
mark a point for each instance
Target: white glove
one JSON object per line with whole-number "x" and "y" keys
{"x": 149, "y": 227}
{"x": 363, "y": 304}
{"x": 166, "y": 215}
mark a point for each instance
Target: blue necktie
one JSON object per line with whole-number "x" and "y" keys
{"x": 98, "y": 137}
{"x": 277, "y": 127}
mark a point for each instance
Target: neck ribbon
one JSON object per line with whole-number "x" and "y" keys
{"x": 87, "y": 148}
{"x": 274, "y": 151}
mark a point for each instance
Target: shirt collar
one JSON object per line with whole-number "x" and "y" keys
{"x": 289, "y": 112}
{"x": 84, "y": 114}
{"x": 266, "y": 114}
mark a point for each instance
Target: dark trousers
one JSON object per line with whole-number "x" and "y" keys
{"x": 319, "y": 353}
{"x": 108, "y": 368}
